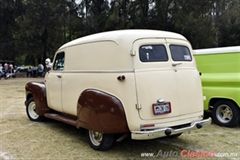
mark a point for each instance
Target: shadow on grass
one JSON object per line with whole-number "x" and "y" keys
{"x": 133, "y": 149}
{"x": 130, "y": 148}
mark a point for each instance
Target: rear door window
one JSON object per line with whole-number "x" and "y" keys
{"x": 153, "y": 53}
{"x": 180, "y": 53}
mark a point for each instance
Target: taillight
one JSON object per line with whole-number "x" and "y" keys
{"x": 147, "y": 125}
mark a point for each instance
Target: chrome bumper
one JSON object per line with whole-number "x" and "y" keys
{"x": 163, "y": 132}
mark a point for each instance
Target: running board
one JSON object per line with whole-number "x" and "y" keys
{"x": 61, "y": 118}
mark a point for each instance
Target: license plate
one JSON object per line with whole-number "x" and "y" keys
{"x": 161, "y": 108}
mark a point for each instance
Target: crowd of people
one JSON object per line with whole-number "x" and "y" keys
{"x": 35, "y": 71}
{"x": 6, "y": 71}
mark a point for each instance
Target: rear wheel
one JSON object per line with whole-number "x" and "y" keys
{"x": 99, "y": 141}
{"x": 226, "y": 113}
{"x": 30, "y": 109}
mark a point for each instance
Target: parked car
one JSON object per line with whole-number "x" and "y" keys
{"x": 138, "y": 83}
{"x": 20, "y": 68}
{"x": 23, "y": 68}
{"x": 221, "y": 83}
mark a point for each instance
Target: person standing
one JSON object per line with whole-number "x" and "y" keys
{"x": 40, "y": 70}
{"x": 1, "y": 70}
{"x": 10, "y": 71}
{"x": 29, "y": 72}
{"x": 34, "y": 71}
{"x": 5, "y": 70}
{"x": 48, "y": 64}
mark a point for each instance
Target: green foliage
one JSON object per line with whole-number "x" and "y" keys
{"x": 229, "y": 25}
{"x": 194, "y": 21}
{"x": 9, "y": 10}
{"x": 32, "y": 30}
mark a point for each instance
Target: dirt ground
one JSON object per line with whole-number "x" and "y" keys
{"x": 24, "y": 139}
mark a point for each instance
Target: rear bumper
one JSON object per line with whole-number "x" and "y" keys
{"x": 163, "y": 132}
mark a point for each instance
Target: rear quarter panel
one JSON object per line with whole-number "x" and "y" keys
{"x": 101, "y": 112}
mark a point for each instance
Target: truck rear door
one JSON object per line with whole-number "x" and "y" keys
{"x": 167, "y": 81}
{"x": 187, "y": 76}
{"x": 155, "y": 78}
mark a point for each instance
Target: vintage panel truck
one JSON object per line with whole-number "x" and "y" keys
{"x": 141, "y": 83}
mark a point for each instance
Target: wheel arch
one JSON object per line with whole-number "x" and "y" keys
{"x": 214, "y": 100}
{"x": 101, "y": 112}
{"x": 28, "y": 96}
{"x": 37, "y": 90}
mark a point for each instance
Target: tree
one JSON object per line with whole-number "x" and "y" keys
{"x": 138, "y": 12}
{"x": 46, "y": 26}
{"x": 194, "y": 21}
{"x": 161, "y": 15}
{"x": 9, "y": 36}
{"x": 228, "y": 24}
{"x": 95, "y": 13}
{"x": 33, "y": 30}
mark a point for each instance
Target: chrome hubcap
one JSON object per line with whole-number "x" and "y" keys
{"x": 31, "y": 110}
{"x": 96, "y": 137}
{"x": 224, "y": 113}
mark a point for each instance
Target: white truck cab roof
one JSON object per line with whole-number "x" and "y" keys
{"x": 128, "y": 36}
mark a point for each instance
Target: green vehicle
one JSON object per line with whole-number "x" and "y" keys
{"x": 220, "y": 68}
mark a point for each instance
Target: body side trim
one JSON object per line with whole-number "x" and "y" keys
{"x": 96, "y": 71}
{"x": 220, "y": 50}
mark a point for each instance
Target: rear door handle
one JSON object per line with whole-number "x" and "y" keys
{"x": 175, "y": 64}
{"x": 59, "y": 76}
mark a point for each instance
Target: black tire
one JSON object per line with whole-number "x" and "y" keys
{"x": 30, "y": 109}
{"x": 226, "y": 113}
{"x": 99, "y": 141}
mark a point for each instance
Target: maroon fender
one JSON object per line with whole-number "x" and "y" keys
{"x": 102, "y": 112}
{"x": 37, "y": 90}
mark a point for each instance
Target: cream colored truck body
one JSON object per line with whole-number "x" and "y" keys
{"x": 146, "y": 70}
{"x": 96, "y": 61}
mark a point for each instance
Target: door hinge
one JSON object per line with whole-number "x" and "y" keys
{"x": 138, "y": 106}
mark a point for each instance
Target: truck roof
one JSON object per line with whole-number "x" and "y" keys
{"x": 128, "y": 35}
{"x": 218, "y": 50}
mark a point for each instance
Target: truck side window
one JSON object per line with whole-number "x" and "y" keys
{"x": 180, "y": 53}
{"x": 153, "y": 53}
{"x": 59, "y": 62}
